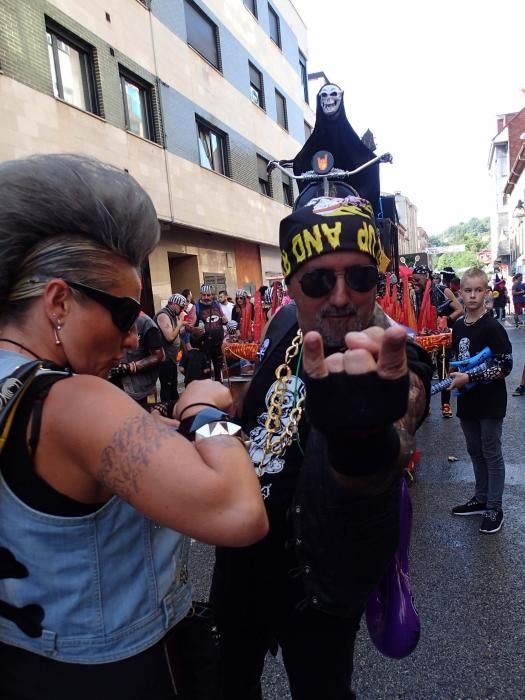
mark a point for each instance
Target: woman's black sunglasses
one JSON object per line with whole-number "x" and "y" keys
{"x": 124, "y": 310}
{"x": 320, "y": 282}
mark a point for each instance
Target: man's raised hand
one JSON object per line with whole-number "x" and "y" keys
{"x": 364, "y": 388}
{"x": 371, "y": 350}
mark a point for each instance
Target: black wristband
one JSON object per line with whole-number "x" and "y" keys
{"x": 361, "y": 454}
{"x": 197, "y": 403}
{"x": 341, "y": 403}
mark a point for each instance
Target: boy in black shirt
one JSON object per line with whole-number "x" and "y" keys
{"x": 482, "y": 408}
{"x": 195, "y": 364}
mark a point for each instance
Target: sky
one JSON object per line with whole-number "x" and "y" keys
{"x": 429, "y": 80}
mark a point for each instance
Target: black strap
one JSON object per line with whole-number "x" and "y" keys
{"x": 35, "y": 397}
{"x": 36, "y": 423}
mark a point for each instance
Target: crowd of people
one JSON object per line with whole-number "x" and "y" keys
{"x": 102, "y": 487}
{"x": 184, "y": 336}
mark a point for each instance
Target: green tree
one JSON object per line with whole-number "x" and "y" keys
{"x": 457, "y": 261}
{"x": 474, "y": 235}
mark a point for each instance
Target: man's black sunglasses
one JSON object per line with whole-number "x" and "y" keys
{"x": 124, "y": 310}
{"x": 320, "y": 282}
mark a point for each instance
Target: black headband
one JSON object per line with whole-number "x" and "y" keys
{"x": 328, "y": 225}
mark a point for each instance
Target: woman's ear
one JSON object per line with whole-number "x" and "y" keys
{"x": 57, "y": 299}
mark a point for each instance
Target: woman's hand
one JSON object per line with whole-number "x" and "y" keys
{"x": 205, "y": 391}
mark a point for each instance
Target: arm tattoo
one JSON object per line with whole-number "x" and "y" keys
{"x": 416, "y": 405}
{"x": 130, "y": 454}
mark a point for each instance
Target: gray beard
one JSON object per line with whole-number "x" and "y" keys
{"x": 333, "y": 333}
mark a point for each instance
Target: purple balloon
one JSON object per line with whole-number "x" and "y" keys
{"x": 391, "y": 617}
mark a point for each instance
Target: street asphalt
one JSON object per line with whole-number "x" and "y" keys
{"x": 469, "y": 588}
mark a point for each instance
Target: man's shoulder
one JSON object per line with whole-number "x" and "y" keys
{"x": 495, "y": 329}
{"x": 162, "y": 312}
{"x": 151, "y": 337}
{"x": 145, "y": 323}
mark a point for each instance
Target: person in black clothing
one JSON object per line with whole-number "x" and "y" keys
{"x": 233, "y": 364}
{"x": 137, "y": 374}
{"x": 210, "y": 316}
{"x": 170, "y": 322}
{"x": 329, "y": 466}
{"x": 446, "y": 305}
{"x": 501, "y": 298}
{"x": 195, "y": 364}
{"x": 482, "y": 408}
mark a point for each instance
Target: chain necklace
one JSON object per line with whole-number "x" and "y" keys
{"x": 273, "y": 423}
{"x": 471, "y": 323}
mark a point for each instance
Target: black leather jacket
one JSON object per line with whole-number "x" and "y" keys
{"x": 342, "y": 543}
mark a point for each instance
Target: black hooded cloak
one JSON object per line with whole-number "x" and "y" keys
{"x": 335, "y": 134}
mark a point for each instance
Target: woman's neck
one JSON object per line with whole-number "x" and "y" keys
{"x": 31, "y": 343}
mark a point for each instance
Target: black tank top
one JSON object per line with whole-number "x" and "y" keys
{"x": 16, "y": 461}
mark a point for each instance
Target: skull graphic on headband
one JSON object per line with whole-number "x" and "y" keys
{"x": 330, "y": 97}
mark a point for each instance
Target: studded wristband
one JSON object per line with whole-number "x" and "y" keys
{"x": 218, "y": 428}
{"x": 211, "y": 422}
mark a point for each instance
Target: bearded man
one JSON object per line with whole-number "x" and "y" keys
{"x": 210, "y": 316}
{"x": 331, "y": 427}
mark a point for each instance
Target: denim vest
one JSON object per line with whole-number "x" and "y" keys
{"x": 111, "y": 583}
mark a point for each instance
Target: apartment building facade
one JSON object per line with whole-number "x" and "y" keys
{"x": 409, "y": 241}
{"x": 192, "y": 97}
{"x": 506, "y": 168}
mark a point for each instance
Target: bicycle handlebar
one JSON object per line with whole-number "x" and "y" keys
{"x": 334, "y": 174}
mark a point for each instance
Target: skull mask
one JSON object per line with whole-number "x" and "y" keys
{"x": 330, "y": 97}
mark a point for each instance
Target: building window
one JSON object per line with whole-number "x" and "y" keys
{"x": 282, "y": 116}
{"x": 252, "y": 6}
{"x": 307, "y": 131}
{"x": 502, "y": 159}
{"x": 217, "y": 281}
{"x": 137, "y": 96}
{"x": 287, "y": 190}
{"x": 304, "y": 76}
{"x": 275, "y": 26}
{"x": 256, "y": 86}
{"x": 202, "y": 33}
{"x": 212, "y": 148}
{"x": 72, "y": 69}
{"x": 265, "y": 186}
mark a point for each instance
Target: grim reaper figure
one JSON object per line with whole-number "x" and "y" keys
{"x": 333, "y": 133}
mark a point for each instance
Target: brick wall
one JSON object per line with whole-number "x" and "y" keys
{"x": 23, "y": 48}
{"x": 24, "y": 56}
